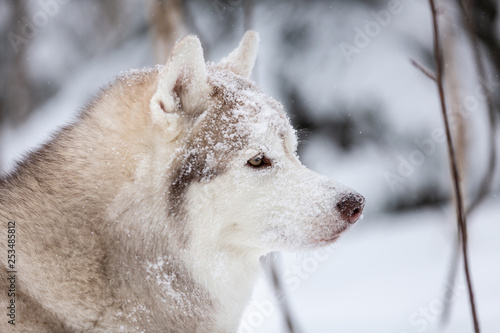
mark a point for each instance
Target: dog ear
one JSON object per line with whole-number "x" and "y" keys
{"x": 182, "y": 83}
{"x": 242, "y": 59}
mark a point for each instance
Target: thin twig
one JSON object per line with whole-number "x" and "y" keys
{"x": 469, "y": 22}
{"x": 461, "y": 218}
{"x": 424, "y": 70}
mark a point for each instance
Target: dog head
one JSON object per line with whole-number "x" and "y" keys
{"x": 236, "y": 180}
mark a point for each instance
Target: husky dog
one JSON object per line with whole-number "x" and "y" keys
{"x": 150, "y": 212}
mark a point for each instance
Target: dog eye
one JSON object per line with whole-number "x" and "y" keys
{"x": 259, "y": 161}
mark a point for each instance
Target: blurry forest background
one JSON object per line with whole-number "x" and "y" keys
{"x": 367, "y": 117}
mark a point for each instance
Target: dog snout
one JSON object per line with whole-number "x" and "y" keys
{"x": 351, "y": 206}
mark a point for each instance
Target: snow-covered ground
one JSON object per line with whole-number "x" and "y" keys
{"x": 388, "y": 275}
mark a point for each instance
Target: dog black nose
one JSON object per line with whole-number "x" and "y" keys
{"x": 351, "y": 206}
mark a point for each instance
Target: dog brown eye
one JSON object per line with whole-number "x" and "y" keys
{"x": 259, "y": 161}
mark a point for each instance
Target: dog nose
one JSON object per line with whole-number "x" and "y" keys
{"x": 351, "y": 206}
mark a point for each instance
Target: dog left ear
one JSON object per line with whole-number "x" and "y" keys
{"x": 242, "y": 59}
{"x": 182, "y": 83}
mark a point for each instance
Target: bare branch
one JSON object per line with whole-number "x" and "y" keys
{"x": 461, "y": 218}
{"x": 424, "y": 70}
{"x": 466, "y": 8}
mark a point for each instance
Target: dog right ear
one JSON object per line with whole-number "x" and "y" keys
{"x": 242, "y": 60}
{"x": 182, "y": 84}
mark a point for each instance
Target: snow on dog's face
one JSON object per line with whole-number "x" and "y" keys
{"x": 237, "y": 181}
